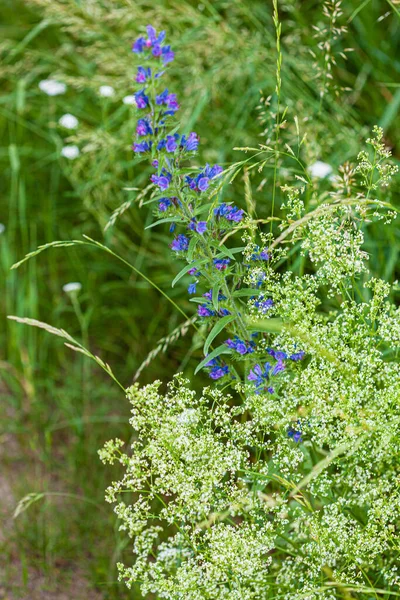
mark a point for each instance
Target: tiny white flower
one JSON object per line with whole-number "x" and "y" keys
{"x": 51, "y": 87}
{"x": 74, "y": 286}
{"x": 106, "y": 91}
{"x": 71, "y": 151}
{"x": 2, "y": 228}
{"x": 69, "y": 121}
{"x": 320, "y": 169}
{"x": 129, "y": 100}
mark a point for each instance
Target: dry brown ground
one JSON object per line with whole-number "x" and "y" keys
{"x": 18, "y": 581}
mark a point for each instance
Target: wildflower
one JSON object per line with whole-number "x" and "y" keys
{"x": 74, "y": 286}
{"x": 168, "y": 100}
{"x": 240, "y": 346}
{"x": 296, "y": 435}
{"x": 297, "y": 356}
{"x": 320, "y": 169}
{"x": 190, "y": 143}
{"x": 192, "y": 288}
{"x": 106, "y": 91}
{"x": 143, "y": 74}
{"x": 154, "y": 163}
{"x": 263, "y": 255}
{"x": 279, "y": 366}
{"x": 180, "y": 243}
{"x": 277, "y": 354}
{"x": 143, "y": 127}
{"x": 224, "y": 312}
{"x": 204, "y": 311}
{"x": 221, "y": 263}
{"x": 2, "y": 228}
{"x": 68, "y": 121}
{"x": 217, "y": 370}
{"x": 199, "y": 226}
{"x": 141, "y": 99}
{"x": 263, "y": 305}
{"x": 162, "y": 180}
{"x": 71, "y": 151}
{"x": 259, "y": 376}
{"x": 167, "y": 55}
{"x": 142, "y": 147}
{"x": 230, "y": 213}
{"x": 208, "y": 295}
{"x": 51, "y": 87}
{"x": 202, "y": 182}
{"x": 164, "y": 204}
{"x": 129, "y": 99}
{"x": 195, "y": 272}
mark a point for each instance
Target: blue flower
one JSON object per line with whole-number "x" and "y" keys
{"x": 143, "y": 74}
{"x": 192, "y": 288}
{"x": 180, "y": 243}
{"x": 217, "y": 370}
{"x": 297, "y": 356}
{"x": 295, "y": 435}
{"x": 263, "y": 255}
{"x": 167, "y": 55}
{"x": 204, "y": 311}
{"x": 168, "y": 100}
{"x": 143, "y": 128}
{"x": 263, "y": 305}
{"x": 139, "y": 45}
{"x": 141, "y": 99}
{"x": 277, "y": 354}
{"x": 221, "y": 263}
{"x": 199, "y": 226}
{"x": 190, "y": 143}
{"x": 162, "y": 180}
{"x": 164, "y": 204}
{"x": 202, "y": 182}
{"x": 259, "y": 376}
{"x": 230, "y": 213}
{"x": 240, "y": 346}
{"x": 208, "y": 295}
{"x": 142, "y": 147}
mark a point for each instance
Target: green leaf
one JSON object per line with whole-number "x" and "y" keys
{"x": 192, "y": 247}
{"x": 166, "y": 220}
{"x": 186, "y": 268}
{"x": 218, "y": 327}
{"x": 222, "y": 349}
{"x": 268, "y": 325}
{"x": 214, "y": 295}
{"x": 246, "y": 292}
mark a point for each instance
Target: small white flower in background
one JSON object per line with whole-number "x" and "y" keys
{"x": 68, "y": 121}
{"x": 106, "y": 91}
{"x": 74, "y": 286}
{"x": 320, "y": 169}
{"x": 129, "y": 100}
{"x": 51, "y": 87}
{"x": 71, "y": 151}
{"x": 2, "y": 228}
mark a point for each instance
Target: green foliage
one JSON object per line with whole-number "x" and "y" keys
{"x": 58, "y": 410}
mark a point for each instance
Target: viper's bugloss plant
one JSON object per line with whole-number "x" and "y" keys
{"x": 287, "y": 485}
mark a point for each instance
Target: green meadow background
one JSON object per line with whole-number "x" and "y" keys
{"x": 57, "y": 409}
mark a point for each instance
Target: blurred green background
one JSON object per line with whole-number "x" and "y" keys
{"x": 57, "y": 408}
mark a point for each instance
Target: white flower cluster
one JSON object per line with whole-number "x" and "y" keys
{"x": 292, "y": 494}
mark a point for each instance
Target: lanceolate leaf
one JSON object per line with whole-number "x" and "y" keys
{"x": 187, "y": 268}
{"x": 222, "y": 349}
{"x": 218, "y": 327}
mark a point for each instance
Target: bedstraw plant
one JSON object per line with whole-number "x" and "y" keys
{"x": 281, "y": 478}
